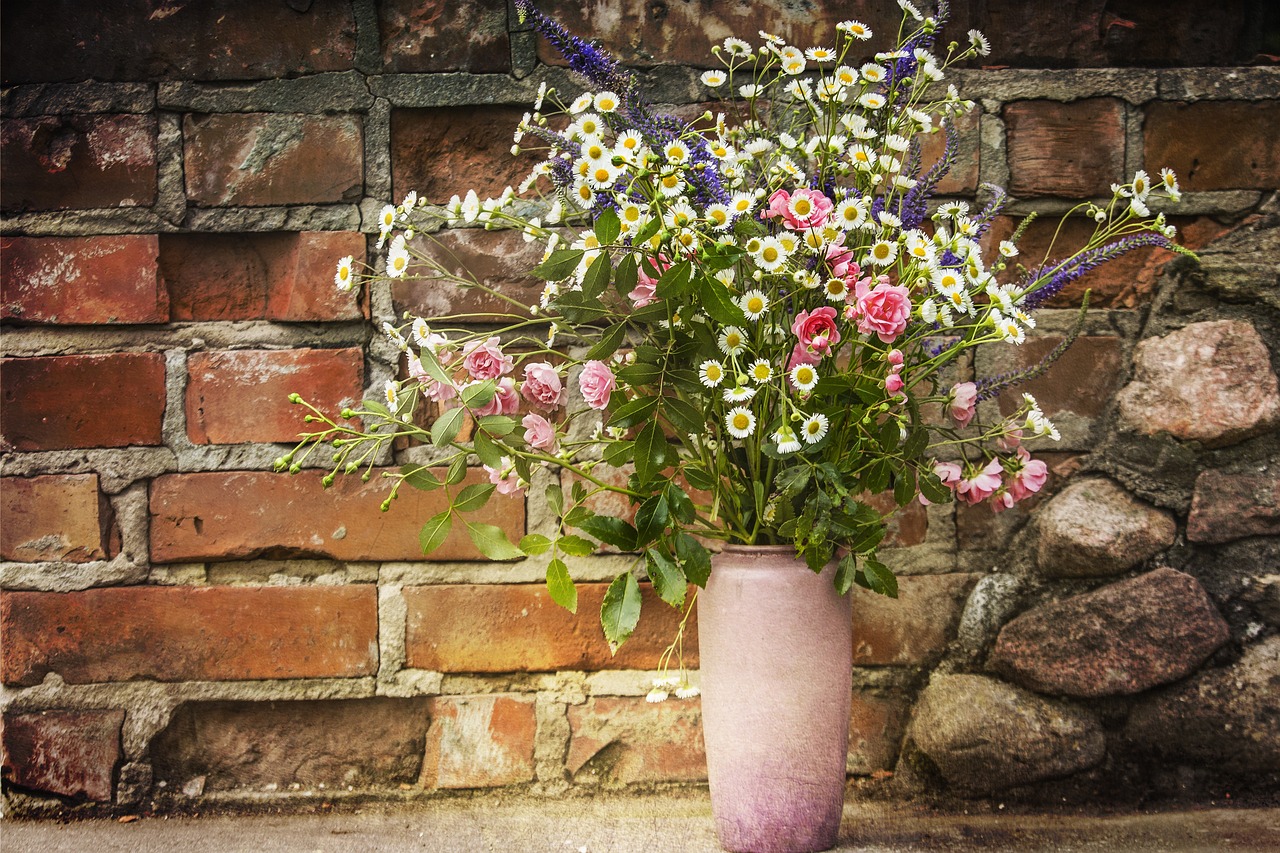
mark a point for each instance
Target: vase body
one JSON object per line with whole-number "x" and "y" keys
{"x": 776, "y": 658}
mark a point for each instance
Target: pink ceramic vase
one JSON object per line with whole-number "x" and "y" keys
{"x": 776, "y": 648}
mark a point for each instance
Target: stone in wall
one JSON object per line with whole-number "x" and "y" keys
{"x": 1241, "y": 266}
{"x": 1209, "y": 382}
{"x": 70, "y": 753}
{"x": 622, "y": 740}
{"x": 1226, "y": 506}
{"x": 1121, "y": 639}
{"x": 479, "y": 741}
{"x": 1095, "y": 528}
{"x": 984, "y": 735}
{"x": 1227, "y": 720}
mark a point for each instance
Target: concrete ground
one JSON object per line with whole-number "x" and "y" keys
{"x": 649, "y": 824}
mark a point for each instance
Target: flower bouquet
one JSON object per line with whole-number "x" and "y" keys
{"x": 755, "y": 315}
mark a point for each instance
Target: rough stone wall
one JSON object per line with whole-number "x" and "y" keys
{"x": 180, "y": 626}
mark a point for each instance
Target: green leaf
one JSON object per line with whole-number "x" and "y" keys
{"x": 683, "y": 415}
{"x": 651, "y": 313}
{"x": 915, "y": 444}
{"x": 497, "y": 425}
{"x": 933, "y": 489}
{"x": 676, "y": 281}
{"x": 618, "y": 453}
{"x": 904, "y": 486}
{"x": 793, "y": 480}
{"x": 578, "y": 308}
{"x": 682, "y": 508}
{"x": 376, "y": 407}
{"x": 608, "y": 343}
{"x": 876, "y": 479}
{"x": 560, "y": 265}
{"x": 634, "y": 412}
{"x": 668, "y": 581}
{"x": 650, "y": 455}
{"x": 651, "y": 519}
{"x": 699, "y": 478}
{"x": 640, "y": 374}
{"x": 646, "y": 231}
{"x": 596, "y": 281}
{"x": 889, "y": 435}
{"x": 432, "y": 366}
{"x": 717, "y": 303}
{"x": 575, "y": 546}
{"x": 880, "y": 577}
{"x": 610, "y": 530}
{"x": 695, "y": 560}
{"x": 608, "y": 226}
{"x": 534, "y": 544}
{"x": 844, "y": 573}
{"x": 446, "y": 427}
{"x": 457, "y": 470}
{"x": 489, "y": 452}
{"x": 561, "y": 587}
{"x": 620, "y": 610}
{"x": 555, "y": 499}
{"x": 479, "y": 394}
{"x": 473, "y": 497}
{"x": 433, "y": 533}
{"x": 492, "y": 542}
{"x": 625, "y": 276}
{"x": 420, "y": 477}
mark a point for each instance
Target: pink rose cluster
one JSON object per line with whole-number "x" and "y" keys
{"x": 597, "y": 383}
{"x": 882, "y": 310}
{"x": 817, "y": 334}
{"x": 1006, "y": 481}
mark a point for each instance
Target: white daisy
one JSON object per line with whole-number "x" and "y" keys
{"x": 397, "y": 257}
{"x": 771, "y": 255}
{"x": 883, "y": 252}
{"x": 740, "y": 422}
{"x": 814, "y": 429}
{"x": 738, "y": 394}
{"x": 785, "y": 439}
{"x": 753, "y": 303}
{"x": 711, "y": 373}
{"x": 713, "y": 78}
{"x": 761, "y": 371}
{"x": 855, "y": 29}
{"x": 391, "y": 393}
{"x": 732, "y": 340}
{"x": 607, "y": 102}
{"x": 804, "y": 377}
{"x": 344, "y": 278}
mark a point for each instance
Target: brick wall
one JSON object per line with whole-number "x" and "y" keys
{"x": 177, "y": 186}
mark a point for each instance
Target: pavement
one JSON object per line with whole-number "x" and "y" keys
{"x": 640, "y": 824}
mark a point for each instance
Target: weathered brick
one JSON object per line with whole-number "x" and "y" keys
{"x": 281, "y": 276}
{"x": 437, "y": 35}
{"x": 56, "y": 517}
{"x": 963, "y": 175}
{"x": 913, "y": 628}
{"x": 624, "y": 740}
{"x": 82, "y": 280}
{"x": 1074, "y": 149}
{"x": 1215, "y": 145}
{"x": 253, "y": 159}
{"x": 906, "y": 525}
{"x": 1232, "y": 505}
{"x": 68, "y": 753}
{"x": 240, "y": 396}
{"x": 518, "y": 628}
{"x": 84, "y": 161}
{"x": 83, "y": 401}
{"x": 273, "y": 745}
{"x": 499, "y": 260}
{"x": 644, "y": 33}
{"x": 137, "y": 40}
{"x": 876, "y": 725}
{"x": 190, "y": 633}
{"x": 479, "y": 741}
{"x": 230, "y": 515}
{"x": 444, "y": 151}
{"x": 1082, "y": 381}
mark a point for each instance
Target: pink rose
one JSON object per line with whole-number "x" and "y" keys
{"x": 596, "y": 383}
{"x": 893, "y": 383}
{"x": 883, "y": 310}
{"x": 840, "y": 258}
{"x": 801, "y": 210}
{"x": 1027, "y": 475}
{"x": 962, "y": 403}
{"x": 542, "y": 385}
{"x": 800, "y": 355}
{"x": 485, "y": 360}
{"x": 538, "y": 432}
{"x": 977, "y": 485}
{"x": 505, "y": 399}
{"x": 438, "y": 392}
{"x": 894, "y": 357}
{"x": 948, "y": 473}
{"x": 1002, "y": 500}
{"x": 504, "y": 477}
{"x": 777, "y": 204}
{"x": 817, "y": 330}
{"x": 646, "y": 286}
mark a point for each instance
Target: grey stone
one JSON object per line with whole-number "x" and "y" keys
{"x": 344, "y": 91}
{"x": 984, "y": 735}
{"x": 1121, "y": 639}
{"x": 1209, "y": 382}
{"x": 1241, "y": 267}
{"x": 1055, "y": 84}
{"x": 1095, "y": 528}
{"x": 1228, "y": 718}
{"x": 1230, "y": 505}
{"x": 71, "y": 98}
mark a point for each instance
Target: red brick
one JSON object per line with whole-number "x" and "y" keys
{"x": 444, "y": 151}
{"x": 876, "y": 726}
{"x": 82, "y": 280}
{"x": 252, "y": 159}
{"x": 907, "y": 525}
{"x": 479, "y": 741}
{"x": 646, "y": 33}
{"x": 625, "y": 740}
{"x": 60, "y": 402}
{"x": 1228, "y": 506}
{"x": 517, "y": 628}
{"x": 1082, "y": 381}
{"x": 85, "y": 161}
{"x": 138, "y": 40}
{"x": 1215, "y": 145}
{"x": 56, "y": 517}
{"x": 190, "y": 633}
{"x": 268, "y": 276}
{"x": 500, "y": 260}
{"x": 240, "y": 396}
{"x": 231, "y": 515}
{"x": 963, "y": 176}
{"x": 68, "y": 753}
{"x": 1129, "y": 281}
{"x": 1074, "y": 149}
{"x": 273, "y": 745}
{"x": 915, "y": 627}
{"x": 437, "y": 35}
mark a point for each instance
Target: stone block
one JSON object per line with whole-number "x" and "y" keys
{"x": 56, "y": 517}
{"x": 1226, "y": 506}
{"x": 68, "y": 753}
{"x": 915, "y": 627}
{"x": 1206, "y": 144}
{"x": 443, "y": 151}
{"x": 423, "y": 36}
{"x": 876, "y": 726}
{"x": 624, "y": 740}
{"x": 499, "y": 260}
{"x": 1095, "y": 528}
{"x": 1072, "y": 149}
{"x": 480, "y": 741}
{"x": 82, "y": 280}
